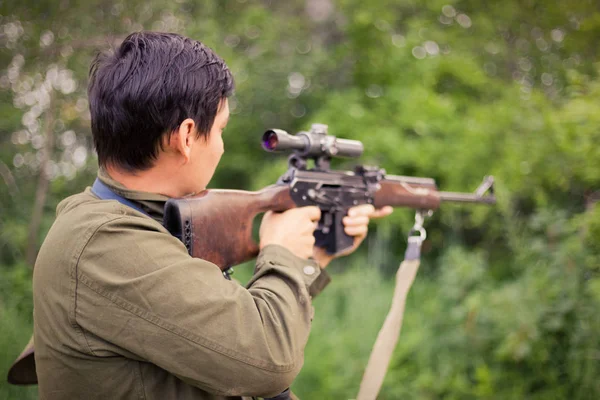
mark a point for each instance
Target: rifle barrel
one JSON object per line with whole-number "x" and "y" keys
{"x": 466, "y": 198}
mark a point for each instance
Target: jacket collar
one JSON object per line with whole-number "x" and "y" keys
{"x": 152, "y": 203}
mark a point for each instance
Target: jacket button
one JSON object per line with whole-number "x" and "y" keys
{"x": 309, "y": 270}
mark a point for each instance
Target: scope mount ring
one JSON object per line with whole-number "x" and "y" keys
{"x": 297, "y": 161}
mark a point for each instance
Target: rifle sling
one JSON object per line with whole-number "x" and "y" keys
{"x": 390, "y": 331}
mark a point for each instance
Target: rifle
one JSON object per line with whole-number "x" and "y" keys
{"x": 193, "y": 219}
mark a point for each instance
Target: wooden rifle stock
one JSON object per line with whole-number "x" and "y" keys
{"x": 216, "y": 225}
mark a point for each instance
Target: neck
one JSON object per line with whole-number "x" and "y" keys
{"x": 153, "y": 180}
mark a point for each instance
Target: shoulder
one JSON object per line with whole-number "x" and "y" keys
{"x": 85, "y": 223}
{"x": 91, "y": 210}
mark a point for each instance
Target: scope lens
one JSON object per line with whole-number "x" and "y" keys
{"x": 270, "y": 140}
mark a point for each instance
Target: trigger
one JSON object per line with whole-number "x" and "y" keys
{"x": 325, "y": 223}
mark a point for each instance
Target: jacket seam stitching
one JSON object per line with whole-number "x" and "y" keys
{"x": 78, "y": 329}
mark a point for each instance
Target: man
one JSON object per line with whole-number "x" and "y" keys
{"x": 121, "y": 310}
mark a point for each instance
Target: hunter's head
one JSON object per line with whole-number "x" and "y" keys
{"x": 160, "y": 99}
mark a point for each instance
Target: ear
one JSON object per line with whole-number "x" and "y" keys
{"x": 183, "y": 139}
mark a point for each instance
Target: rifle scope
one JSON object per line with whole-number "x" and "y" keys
{"x": 315, "y": 143}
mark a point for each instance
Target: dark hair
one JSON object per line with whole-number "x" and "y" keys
{"x": 146, "y": 88}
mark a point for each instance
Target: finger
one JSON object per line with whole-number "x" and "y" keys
{"x": 356, "y": 230}
{"x": 354, "y": 221}
{"x": 358, "y": 240}
{"x": 267, "y": 216}
{"x": 382, "y": 212}
{"x": 363, "y": 209}
{"x": 309, "y": 227}
{"x": 313, "y": 212}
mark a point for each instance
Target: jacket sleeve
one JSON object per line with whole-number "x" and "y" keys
{"x": 139, "y": 290}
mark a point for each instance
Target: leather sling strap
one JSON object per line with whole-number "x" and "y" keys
{"x": 390, "y": 331}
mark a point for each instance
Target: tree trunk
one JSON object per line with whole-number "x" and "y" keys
{"x": 9, "y": 180}
{"x": 42, "y": 189}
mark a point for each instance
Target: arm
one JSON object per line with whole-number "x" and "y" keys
{"x": 149, "y": 297}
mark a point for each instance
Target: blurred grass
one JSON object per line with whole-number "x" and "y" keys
{"x": 15, "y": 331}
{"x": 348, "y": 316}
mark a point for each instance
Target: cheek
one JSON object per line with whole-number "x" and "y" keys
{"x": 212, "y": 156}
{"x": 219, "y": 147}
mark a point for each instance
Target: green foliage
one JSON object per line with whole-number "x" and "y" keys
{"x": 505, "y": 305}
{"x": 466, "y": 335}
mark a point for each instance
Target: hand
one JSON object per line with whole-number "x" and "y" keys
{"x": 292, "y": 229}
{"x": 355, "y": 224}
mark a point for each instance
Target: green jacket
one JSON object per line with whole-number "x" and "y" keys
{"x": 122, "y": 311}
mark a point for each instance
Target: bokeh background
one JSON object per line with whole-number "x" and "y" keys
{"x": 507, "y": 302}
